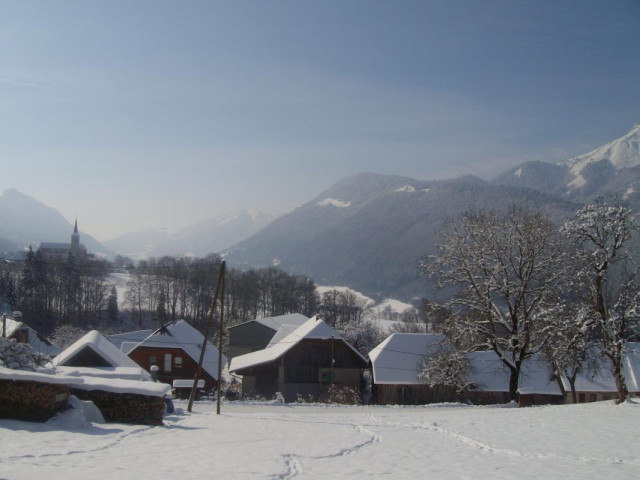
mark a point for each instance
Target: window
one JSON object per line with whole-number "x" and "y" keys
{"x": 167, "y": 362}
{"x": 153, "y": 360}
{"x": 178, "y": 362}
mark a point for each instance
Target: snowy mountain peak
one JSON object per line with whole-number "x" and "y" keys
{"x": 623, "y": 152}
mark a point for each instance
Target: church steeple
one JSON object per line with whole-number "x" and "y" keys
{"x": 75, "y": 240}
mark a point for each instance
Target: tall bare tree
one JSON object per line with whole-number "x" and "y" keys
{"x": 504, "y": 268}
{"x": 602, "y": 235}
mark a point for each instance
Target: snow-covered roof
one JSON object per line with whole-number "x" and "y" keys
{"x": 396, "y": 359}
{"x": 180, "y": 334}
{"x": 123, "y": 373}
{"x": 99, "y": 345}
{"x": 602, "y": 380}
{"x": 118, "y": 338}
{"x": 116, "y": 385}
{"x": 274, "y": 323}
{"x": 25, "y": 376}
{"x": 313, "y": 328}
{"x": 38, "y": 342}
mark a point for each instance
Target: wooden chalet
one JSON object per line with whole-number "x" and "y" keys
{"x": 175, "y": 348}
{"x": 256, "y": 334}
{"x": 305, "y": 363}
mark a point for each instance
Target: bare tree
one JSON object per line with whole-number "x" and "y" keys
{"x": 505, "y": 267}
{"x": 602, "y": 234}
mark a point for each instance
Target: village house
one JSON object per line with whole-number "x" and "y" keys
{"x": 175, "y": 349}
{"x": 23, "y": 333}
{"x": 256, "y": 334}
{"x": 396, "y": 365}
{"x": 305, "y": 363}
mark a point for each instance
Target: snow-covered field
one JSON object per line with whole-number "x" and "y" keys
{"x": 598, "y": 441}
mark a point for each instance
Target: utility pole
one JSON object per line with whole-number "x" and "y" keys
{"x": 206, "y": 337}
{"x": 333, "y": 362}
{"x": 221, "y": 335}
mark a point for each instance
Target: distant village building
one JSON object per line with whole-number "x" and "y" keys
{"x": 53, "y": 250}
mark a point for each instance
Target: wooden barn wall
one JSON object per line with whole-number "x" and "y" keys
{"x": 412, "y": 394}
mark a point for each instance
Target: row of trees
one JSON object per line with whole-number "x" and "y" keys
{"x": 51, "y": 292}
{"x": 169, "y": 288}
{"x": 523, "y": 286}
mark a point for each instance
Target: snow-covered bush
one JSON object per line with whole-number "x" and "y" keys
{"x": 344, "y": 395}
{"x": 20, "y": 356}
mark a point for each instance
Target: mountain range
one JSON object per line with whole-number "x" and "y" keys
{"x": 367, "y": 231}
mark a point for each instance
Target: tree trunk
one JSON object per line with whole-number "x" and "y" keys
{"x": 619, "y": 377}
{"x": 513, "y": 383}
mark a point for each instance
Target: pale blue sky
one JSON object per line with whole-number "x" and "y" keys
{"x": 139, "y": 114}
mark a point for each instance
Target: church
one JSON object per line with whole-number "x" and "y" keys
{"x": 54, "y": 250}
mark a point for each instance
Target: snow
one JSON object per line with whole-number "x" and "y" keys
{"x": 334, "y": 202}
{"x": 396, "y": 305}
{"x": 630, "y": 191}
{"x": 586, "y": 441}
{"x": 396, "y": 360}
{"x": 623, "y": 152}
{"x": 118, "y": 339}
{"x": 42, "y": 377}
{"x": 578, "y": 182}
{"x": 360, "y": 296}
{"x": 124, "y": 373}
{"x": 407, "y": 189}
{"x": 518, "y": 173}
{"x": 275, "y": 323}
{"x": 116, "y": 385}
{"x": 87, "y": 382}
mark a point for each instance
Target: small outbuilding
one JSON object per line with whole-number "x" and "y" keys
{"x": 306, "y": 363}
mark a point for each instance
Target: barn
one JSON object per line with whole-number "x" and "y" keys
{"x": 303, "y": 364}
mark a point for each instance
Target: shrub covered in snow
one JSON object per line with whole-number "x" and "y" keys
{"x": 20, "y": 356}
